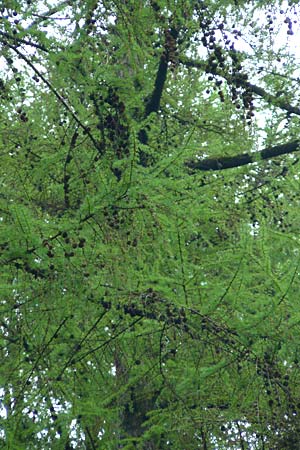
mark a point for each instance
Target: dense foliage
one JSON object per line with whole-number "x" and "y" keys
{"x": 149, "y": 226}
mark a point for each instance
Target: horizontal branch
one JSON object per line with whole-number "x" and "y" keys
{"x": 47, "y": 14}
{"x": 229, "y": 162}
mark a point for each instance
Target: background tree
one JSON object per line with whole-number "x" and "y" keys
{"x": 149, "y": 225}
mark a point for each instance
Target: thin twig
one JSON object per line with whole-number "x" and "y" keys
{"x": 59, "y": 97}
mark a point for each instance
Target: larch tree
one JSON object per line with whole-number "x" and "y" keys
{"x": 149, "y": 223}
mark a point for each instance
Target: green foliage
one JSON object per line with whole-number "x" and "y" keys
{"x": 146, "y": 303}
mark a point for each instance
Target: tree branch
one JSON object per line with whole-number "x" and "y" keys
{"x": 47, "y": 14}
{"x": 86, "y": 129}
{"x": 161, "y": 75}
{"x": 272, "y": 99}
{"x": 23, "y": 41}
{"x": 269, "y": 98}
{"x": 229, "y": 162}
{"x": 170, "y": 42}
{"x": 153, "y": 104}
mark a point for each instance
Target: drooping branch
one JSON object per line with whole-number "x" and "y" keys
{"x": 229, "y": 162}
{"x": 16, "y": 39}
{"x": 85, "y": 128}
{"x": 272, "y": 99}
{"x": 269, "y": 98}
